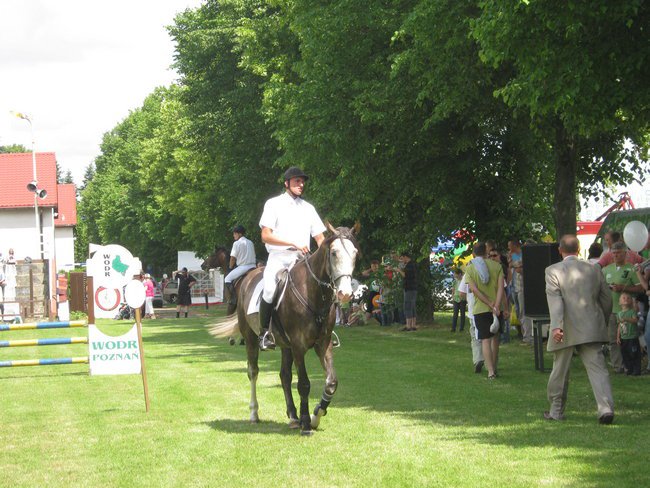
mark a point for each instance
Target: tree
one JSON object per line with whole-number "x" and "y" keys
{"x": 578, "y": 71}
{"x": 13, "y": 148}
{"x": 226, "y": 169}
{"x": 121, "y": 203}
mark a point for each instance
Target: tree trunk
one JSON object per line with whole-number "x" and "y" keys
{"x": 564, "y": 199}
{"x": 425, "y": 308}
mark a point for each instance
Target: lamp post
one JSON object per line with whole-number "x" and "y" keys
{"x": 33, "y": 185}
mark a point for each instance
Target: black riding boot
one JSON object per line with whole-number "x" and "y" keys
{"x": 266, "y": 338}
{"x": 232, "y": 298}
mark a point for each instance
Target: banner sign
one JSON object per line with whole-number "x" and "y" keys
{"x": 113, "y": 354}
{"x": 111, "y": 267}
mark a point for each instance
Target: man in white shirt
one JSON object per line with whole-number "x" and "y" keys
{"x": 287, "y": 224}
{"x": 242, "y": 260}
{"x": 477, "y": 353}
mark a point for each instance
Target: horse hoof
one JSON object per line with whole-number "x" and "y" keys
{"x": 306, "y": 433}
{"x": 231, "y": 341}
{"x": 315, "y": 419}
{"x": 254, "y": 419}
{"x": 294, "y": 423}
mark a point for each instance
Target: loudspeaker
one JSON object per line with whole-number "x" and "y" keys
{"x": 535, "y": 259}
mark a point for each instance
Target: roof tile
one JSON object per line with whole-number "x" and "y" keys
{"x": 67, "y": 213}
{"x": 16, "y": 171}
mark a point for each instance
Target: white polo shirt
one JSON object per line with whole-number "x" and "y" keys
{"x": 243, "y": 251}
{"x": 291, "y": 219}
{"x": 463, "y": 287}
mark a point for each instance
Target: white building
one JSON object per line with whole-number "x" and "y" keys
{"x": 55, "y": 212}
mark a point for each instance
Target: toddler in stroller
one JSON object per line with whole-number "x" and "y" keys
{"x": 124, "y": 312}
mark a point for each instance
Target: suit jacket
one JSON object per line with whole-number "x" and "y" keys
{"x": 579, "y": 302}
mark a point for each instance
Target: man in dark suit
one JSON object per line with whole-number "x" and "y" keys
{"x": 579, "y": 302}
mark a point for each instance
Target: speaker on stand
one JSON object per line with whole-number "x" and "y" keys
{"x": 535, "y": 259}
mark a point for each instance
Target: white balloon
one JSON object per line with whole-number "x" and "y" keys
{"x": 134, "y": 293}
{"x": 635, "y": 235}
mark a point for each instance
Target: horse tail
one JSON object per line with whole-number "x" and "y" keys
{"x": 225, "y": 327}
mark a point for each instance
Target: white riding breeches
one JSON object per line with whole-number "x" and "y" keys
{"x": 277, "y": 260}
{"x": 237, "y": 272}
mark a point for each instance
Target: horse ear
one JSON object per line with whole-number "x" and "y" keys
{"x": 330, "y": 227}
{"x": 356, "y": 228}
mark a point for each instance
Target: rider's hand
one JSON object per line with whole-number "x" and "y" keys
{"x": 302, "y": 249}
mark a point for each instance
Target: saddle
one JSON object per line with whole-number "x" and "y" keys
{"x": 256, "y": 296}
{"x": 233, "y": 296}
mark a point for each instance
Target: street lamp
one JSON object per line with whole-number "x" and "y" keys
{"x": 33, "y": 185}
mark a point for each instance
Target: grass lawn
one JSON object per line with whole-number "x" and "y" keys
{"x": 409, "y": 411}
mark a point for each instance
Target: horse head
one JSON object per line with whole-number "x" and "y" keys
{"x": 343, "y": 250}
{"x": 218, "y": 259}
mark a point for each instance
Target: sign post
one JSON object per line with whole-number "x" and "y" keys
{"x": 110, "y": 272}
{"x": 135, "y": 296}
{"x": 109, "y": 355}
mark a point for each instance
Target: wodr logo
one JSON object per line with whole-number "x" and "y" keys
{"x": 115, "y": 350}
{"x": 113, "y": 355}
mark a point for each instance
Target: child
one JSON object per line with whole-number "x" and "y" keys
{"x": 460, "y": 304}
{"x": 628, "y": 336}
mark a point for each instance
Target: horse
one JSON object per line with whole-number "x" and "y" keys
{"x": 220, "y": 258}
{"x": 303, "y": 319}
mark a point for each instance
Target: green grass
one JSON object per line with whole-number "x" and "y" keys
{"x": 409, "y": 411}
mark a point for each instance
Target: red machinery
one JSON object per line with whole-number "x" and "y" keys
{"x": 623, "y": 202}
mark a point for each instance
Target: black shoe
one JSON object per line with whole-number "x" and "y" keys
{"x": 478, "y": 367}
{"x": 267, "y": 342}
{"x": 606, "y": 418}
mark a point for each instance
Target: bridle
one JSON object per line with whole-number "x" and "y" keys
{"x": 329, "y": 271}
{"x": 323, "y": 285}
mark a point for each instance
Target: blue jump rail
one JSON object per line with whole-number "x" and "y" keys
{"x": 44, "y": 342}
{"x": 44, "y": 325}
{"x": 43, "y": 362}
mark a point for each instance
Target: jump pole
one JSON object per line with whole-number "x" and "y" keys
{"x": 55, "y": 341}
{"x": 142, "y": 365}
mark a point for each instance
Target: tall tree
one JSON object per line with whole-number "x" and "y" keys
{"x": 13, "y": 148}
{"x": 121, "y": 203}
{"x": 227, "y": 168}
{"x": 578, "y": 71}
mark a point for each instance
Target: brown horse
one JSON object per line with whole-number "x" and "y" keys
{"x": 304, "y": 319}
{"x": 220, "y": 258}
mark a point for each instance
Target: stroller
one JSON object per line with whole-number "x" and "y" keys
{"x": 124, "y": 312}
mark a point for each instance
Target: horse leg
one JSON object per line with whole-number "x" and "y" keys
{"x": 285, "y": 378}
{"x": 326, "y": 356}
{"x": 303, "y": 390}
{"x": 252, "y": 351}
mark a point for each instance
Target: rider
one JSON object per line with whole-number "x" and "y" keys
{"x": 287, "y": 224}
{"x": 242, "y": 256}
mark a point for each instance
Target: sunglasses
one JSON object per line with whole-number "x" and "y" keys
{"x": 494, "y": 255}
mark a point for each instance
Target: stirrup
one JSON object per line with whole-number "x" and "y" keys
{"x": 267, "y": 341}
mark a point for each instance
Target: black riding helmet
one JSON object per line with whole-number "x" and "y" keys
{"x": 295, "y": 172}
{"x": 239, "y": 229}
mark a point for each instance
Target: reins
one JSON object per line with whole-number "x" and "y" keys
{"x": 318, "y": 317}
